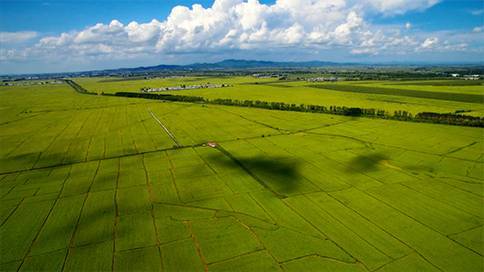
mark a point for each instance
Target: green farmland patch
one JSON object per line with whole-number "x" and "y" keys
{"x": 96, "y": 183}
{"x": 424, "y": 95}
{"x": 460, "y": 97}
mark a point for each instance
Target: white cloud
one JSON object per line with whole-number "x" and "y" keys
{"x": 408, "y": 25}
{"x": 244, "y": 25}
{"x": 143, "y": 33}
{"x": 227, "y": 25}
{"x": 429, "y": 43}
{"x": 17, "y": 37}
{"x": 364, "y": 51}
{"x": 478, "y": 29}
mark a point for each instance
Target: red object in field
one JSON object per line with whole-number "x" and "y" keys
{"x": 212, "y": 144}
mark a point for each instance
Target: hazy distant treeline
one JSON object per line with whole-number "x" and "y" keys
{"x": 78, "y": 87}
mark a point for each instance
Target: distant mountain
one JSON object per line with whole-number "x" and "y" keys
{"x": 231, "y": 64}
{"x": 247, "y": 64}
{"x": 228, "y": 64}
{"x": 161, "y": 67}
{"x": 241, "y": 64}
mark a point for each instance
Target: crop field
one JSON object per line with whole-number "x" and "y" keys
{"x": 104, "y": 183}
{"x": 459, "y": 97}
{"x": 412, "y": 96}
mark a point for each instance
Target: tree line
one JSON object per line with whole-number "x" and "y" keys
{"x": 167, "y": 97}
{"x": 78, "y": 88}
{"x": 428, "y": 117}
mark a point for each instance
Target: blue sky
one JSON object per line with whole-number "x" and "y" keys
{"x": 54, "y": 35}
{"x": 59, "y": 16}
{"x": 447, "y": 15}
{"x": 64, "y": 15}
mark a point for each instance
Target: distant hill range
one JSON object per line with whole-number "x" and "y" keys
{"x": 233, "y": 64}
{"x": 239, "y": 65}
{"x": 245, "y": 64}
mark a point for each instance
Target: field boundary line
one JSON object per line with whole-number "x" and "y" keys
{"x": 152, "y": 212}
{"x": 383, "y": 229}
{"x": 116, "y": 215}
{"x": 196, "y": 243}
{"x": 92, "y": 136}
{"x": 54, "y": 203}
{"x": 76, "y": 226}
{"x": 12, "y": 212}
{"x": 465, "y": 246}
{"x": 19, "y": 119}
{"x": 446, "y": 96}
{"x": 164, "y": 128}
{"x": 439, "y": 200}
{"x": 105, "y": 158}
{"x": 458, "y": 149}
{"x": 71, "y": 143}
{"x": 250, "y": 120}
{"x": 29, "y": 136}
{"x": 364, "y": 217}
{"x": 249, "y": 172}
{"x": 232, "y": 213}
{"x": 323, "y": 257}
{"x": 421, "y": 119}
{"x": 238, "y": 256}
{"x": 47, "y": 149}
{"x": 383, "y": 144}
{"x": 143, "y": 123}
{"x": 86, "y": 108}
{"x": 316, "y": 204}
{"x": 446, "y": 236}
{"x": 259, "y": 240}
{"x": 229, "y": 141}
{"x": 323, "y": 233}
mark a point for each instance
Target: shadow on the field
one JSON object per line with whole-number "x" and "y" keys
{"x": 366, "y": 163}
{"x": 280, "y": 174}
{"x": 415, "y": 169}
{"x": 17, "y": 162}
{"x": 33, "y": 160}
{"x": 30, "y": 160}
{"x": 94, "y": 225}
{"x": 105, "y": 181}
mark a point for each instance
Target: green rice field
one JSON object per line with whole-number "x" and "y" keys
{"x": 105, "y": 183}
{"x": 412, "y": 96}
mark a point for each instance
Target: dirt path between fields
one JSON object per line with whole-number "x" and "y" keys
{"x": 165, "y": 128}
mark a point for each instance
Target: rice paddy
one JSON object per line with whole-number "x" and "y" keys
{"x": 102, "y": 183}
{"x": 411, "y": 96}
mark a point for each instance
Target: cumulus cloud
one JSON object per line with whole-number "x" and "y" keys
{"x": 16, "y": 37}
{"x": 429, "y": 43}
{"x": 478, "y": 29}
{"x": 228, "y": 25}
{"x": 239, "y": 25}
